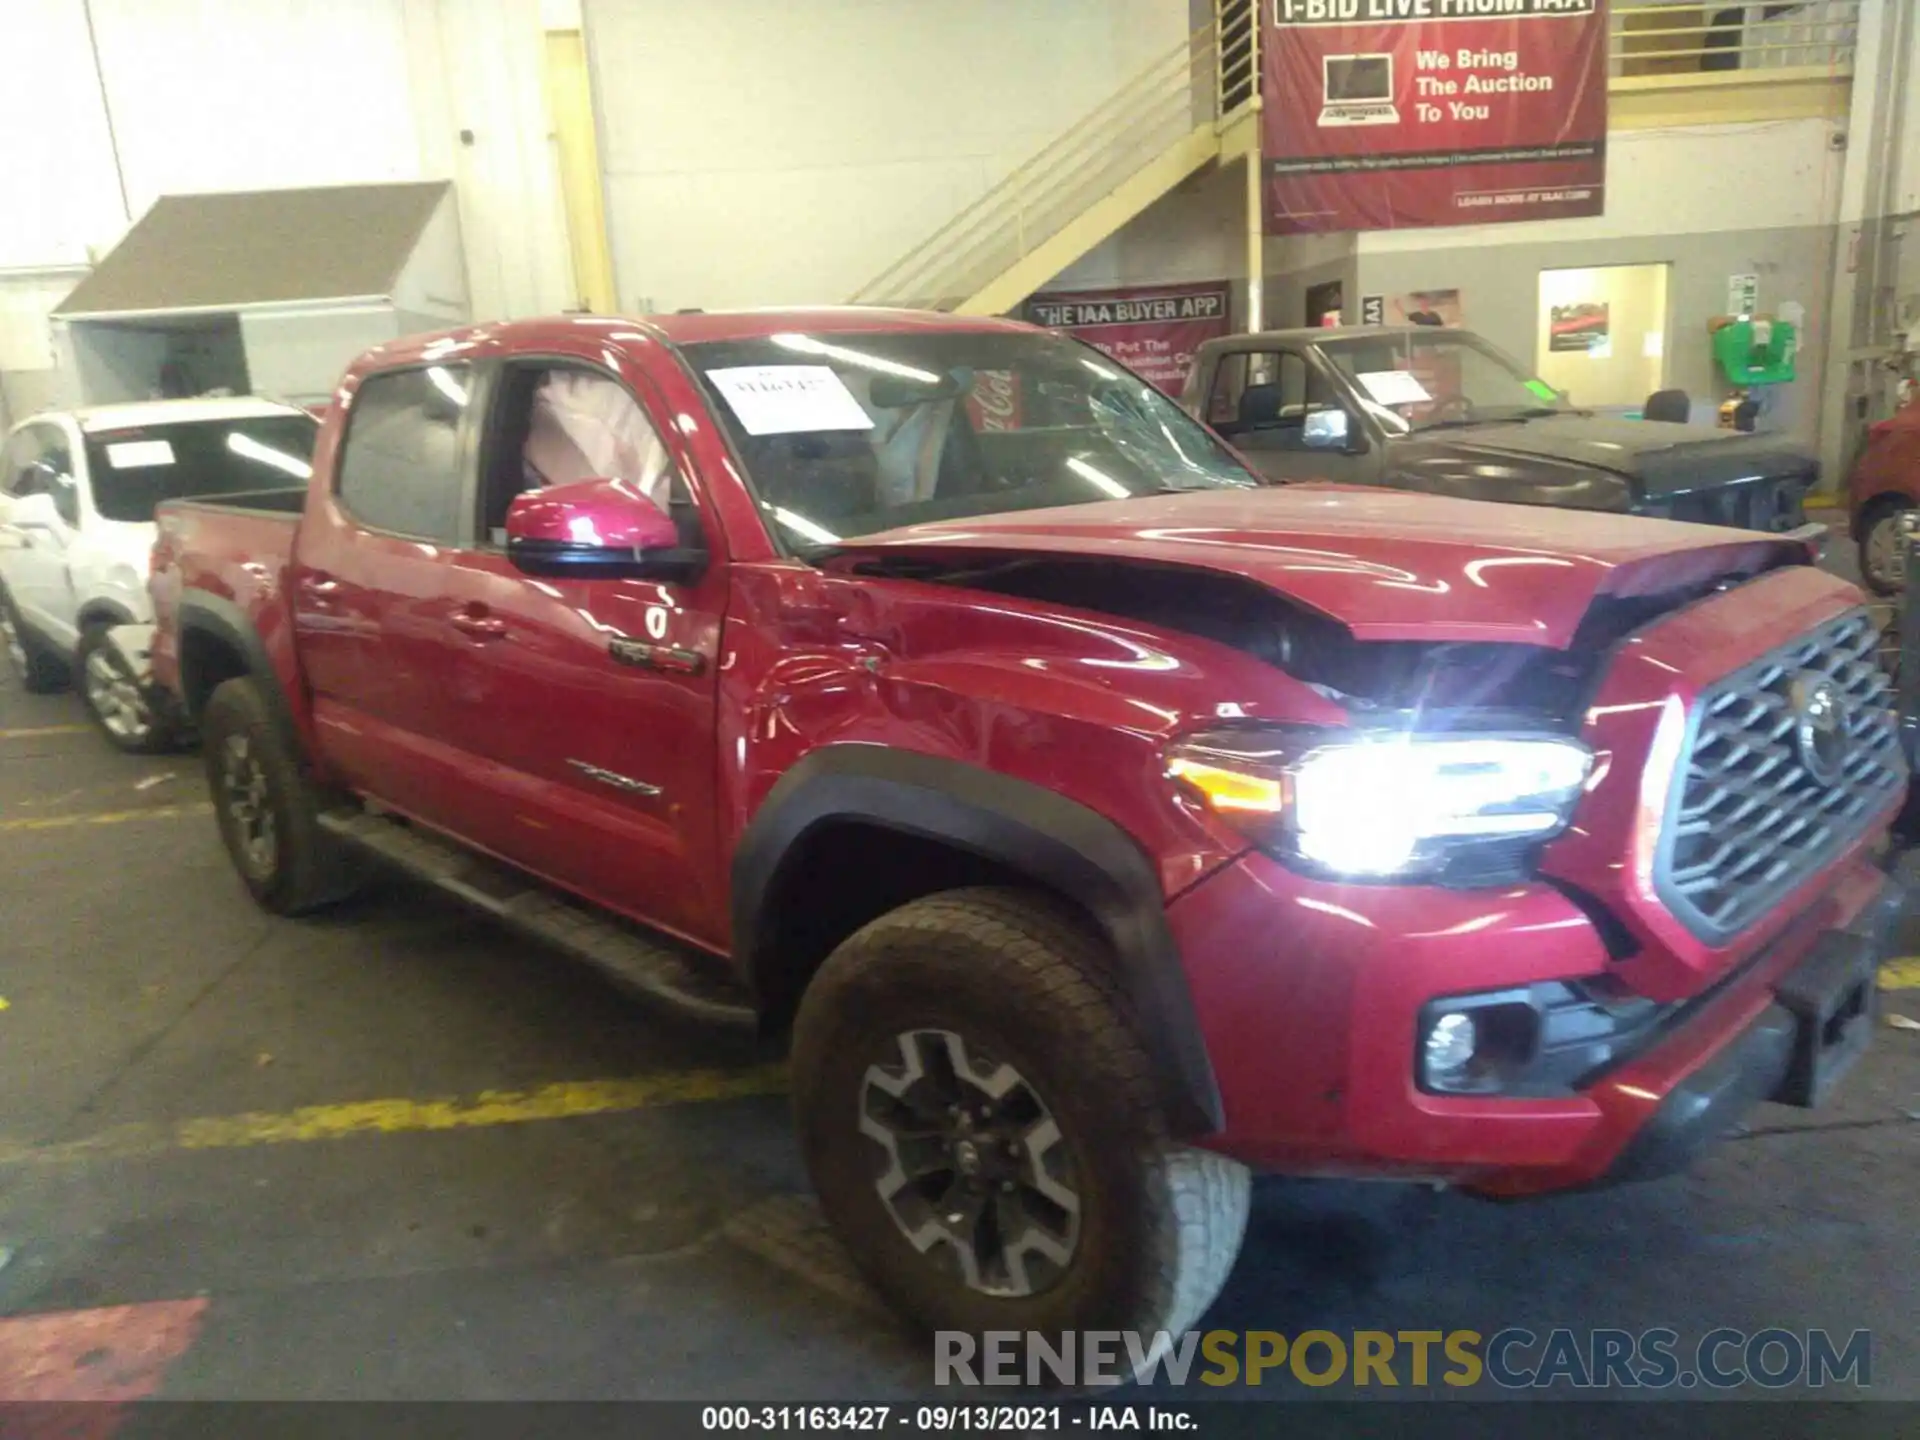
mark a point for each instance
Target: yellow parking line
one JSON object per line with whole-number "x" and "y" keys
{"x": 35, "y": 734}
{"x": 569, "y": 1100}
{"x": 112, "y": 817}
{"x": 1901, "y": 974}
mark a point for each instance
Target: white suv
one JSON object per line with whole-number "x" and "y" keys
{"x": 77, "y": 494}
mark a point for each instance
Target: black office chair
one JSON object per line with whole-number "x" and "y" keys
{"x": 1672, "y": 406}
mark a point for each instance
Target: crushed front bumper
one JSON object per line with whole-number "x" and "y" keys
{"x": 1312, "y": 1027}
{"x": 1795, "y": 1052}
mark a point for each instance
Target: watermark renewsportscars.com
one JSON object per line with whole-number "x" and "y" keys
{"x": 1511, "y": 1359}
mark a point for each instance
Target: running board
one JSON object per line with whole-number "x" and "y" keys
{"x": 655, "y": 969}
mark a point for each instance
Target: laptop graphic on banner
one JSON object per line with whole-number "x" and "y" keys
{"x": 1359, "y": 90}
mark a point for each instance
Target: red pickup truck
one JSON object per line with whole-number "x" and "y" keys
{"x": 1103, "y": 822}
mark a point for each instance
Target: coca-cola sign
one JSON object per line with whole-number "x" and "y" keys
{"x": 1153, "y": 330}
{"x": 994, "y": 401}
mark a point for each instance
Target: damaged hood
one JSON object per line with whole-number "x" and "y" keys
{"x": 1388, "y": 565}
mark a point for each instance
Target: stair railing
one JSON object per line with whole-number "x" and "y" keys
{"x": 1209, "y": 78}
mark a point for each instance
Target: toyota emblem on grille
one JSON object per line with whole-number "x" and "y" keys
{"x": 1819, "y": 727}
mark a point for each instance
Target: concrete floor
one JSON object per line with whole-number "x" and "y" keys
{"x": 596, "y": 1243}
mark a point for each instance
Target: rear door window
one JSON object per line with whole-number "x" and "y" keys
{"x": 402, "y": 468}
{"x": 134, "y": 470}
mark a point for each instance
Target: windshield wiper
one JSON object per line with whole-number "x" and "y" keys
{"x": 1466, "y": 423}
{"x": 1200, "y": 489}
{"x": 1505, "y": 417}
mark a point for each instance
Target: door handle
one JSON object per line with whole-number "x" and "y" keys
{"x": 480, "y": 625}
{"x": 318, "y": 587}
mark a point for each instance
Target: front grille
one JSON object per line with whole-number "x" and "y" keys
{"x": 1749, "y": 820}
{"x": 1772, "y": 505}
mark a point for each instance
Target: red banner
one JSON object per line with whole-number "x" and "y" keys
{"x": 1380, "y": 114}
{"x": 1153, "y": 330}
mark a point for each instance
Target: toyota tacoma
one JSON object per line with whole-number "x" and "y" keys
{"x": 1102, "y": 823}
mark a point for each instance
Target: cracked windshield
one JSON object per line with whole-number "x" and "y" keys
{"x": 849, "y": 434}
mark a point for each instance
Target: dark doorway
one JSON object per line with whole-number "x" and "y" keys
{"x": 1323, "y": 300}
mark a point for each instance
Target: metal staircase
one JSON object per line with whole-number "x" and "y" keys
{"x": 1196, "y": 104}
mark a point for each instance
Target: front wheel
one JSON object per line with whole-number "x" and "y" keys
{"x": 979, "y": 1117}
{"x": 112, "y": 693}
{"x": 268, "y": 808}
{"x": 1883, "y": 551}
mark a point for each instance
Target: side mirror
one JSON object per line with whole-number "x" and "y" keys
{"x": 1327, "y": 430}
{"x": 597, "y": 530}
{"x": 35, "y": 512}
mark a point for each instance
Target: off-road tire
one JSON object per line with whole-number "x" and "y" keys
{"x": 44, "y": 673}
{"x": 157, "y": 738}
{"x": 308, "y": 868}
{"x": 1024, "y": 978}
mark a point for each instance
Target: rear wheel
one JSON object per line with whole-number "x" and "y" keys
{"x": 114, "y": 698}
{"x": 268, "y": 808}
{"x": 24, "y": 656}
{"x": 979, "y": 1117}
{"x": 1883, "y": 554}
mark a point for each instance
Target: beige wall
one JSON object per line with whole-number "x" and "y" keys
{"x": 1499, "y": 287}
{"x": 769, "y": 154}
{"x": 1196, "y": 232}
{"x": 1298, "y": 263}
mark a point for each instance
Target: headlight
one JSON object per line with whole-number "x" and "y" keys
{"x": 1375, "y": 806}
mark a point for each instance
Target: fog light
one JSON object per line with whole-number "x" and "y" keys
{"x": 1450, "y": 1045}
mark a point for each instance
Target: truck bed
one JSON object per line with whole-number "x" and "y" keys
{"x": 284, "y": 501}
{"x": 203, "y": 543}
{"x": 233, "y": 550}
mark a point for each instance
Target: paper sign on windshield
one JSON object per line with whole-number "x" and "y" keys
{"x": 789, "y": 399}
{"x": 1393, "y": 387}
{"x": 139, "y": 454}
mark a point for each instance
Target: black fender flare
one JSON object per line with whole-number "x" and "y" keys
{"x": 1057, "y": 842}
{"x": 222, "y": 620}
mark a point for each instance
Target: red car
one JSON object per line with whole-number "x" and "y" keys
{"x": 1104, "y": 823}
{"x": 1885, "y": 481}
